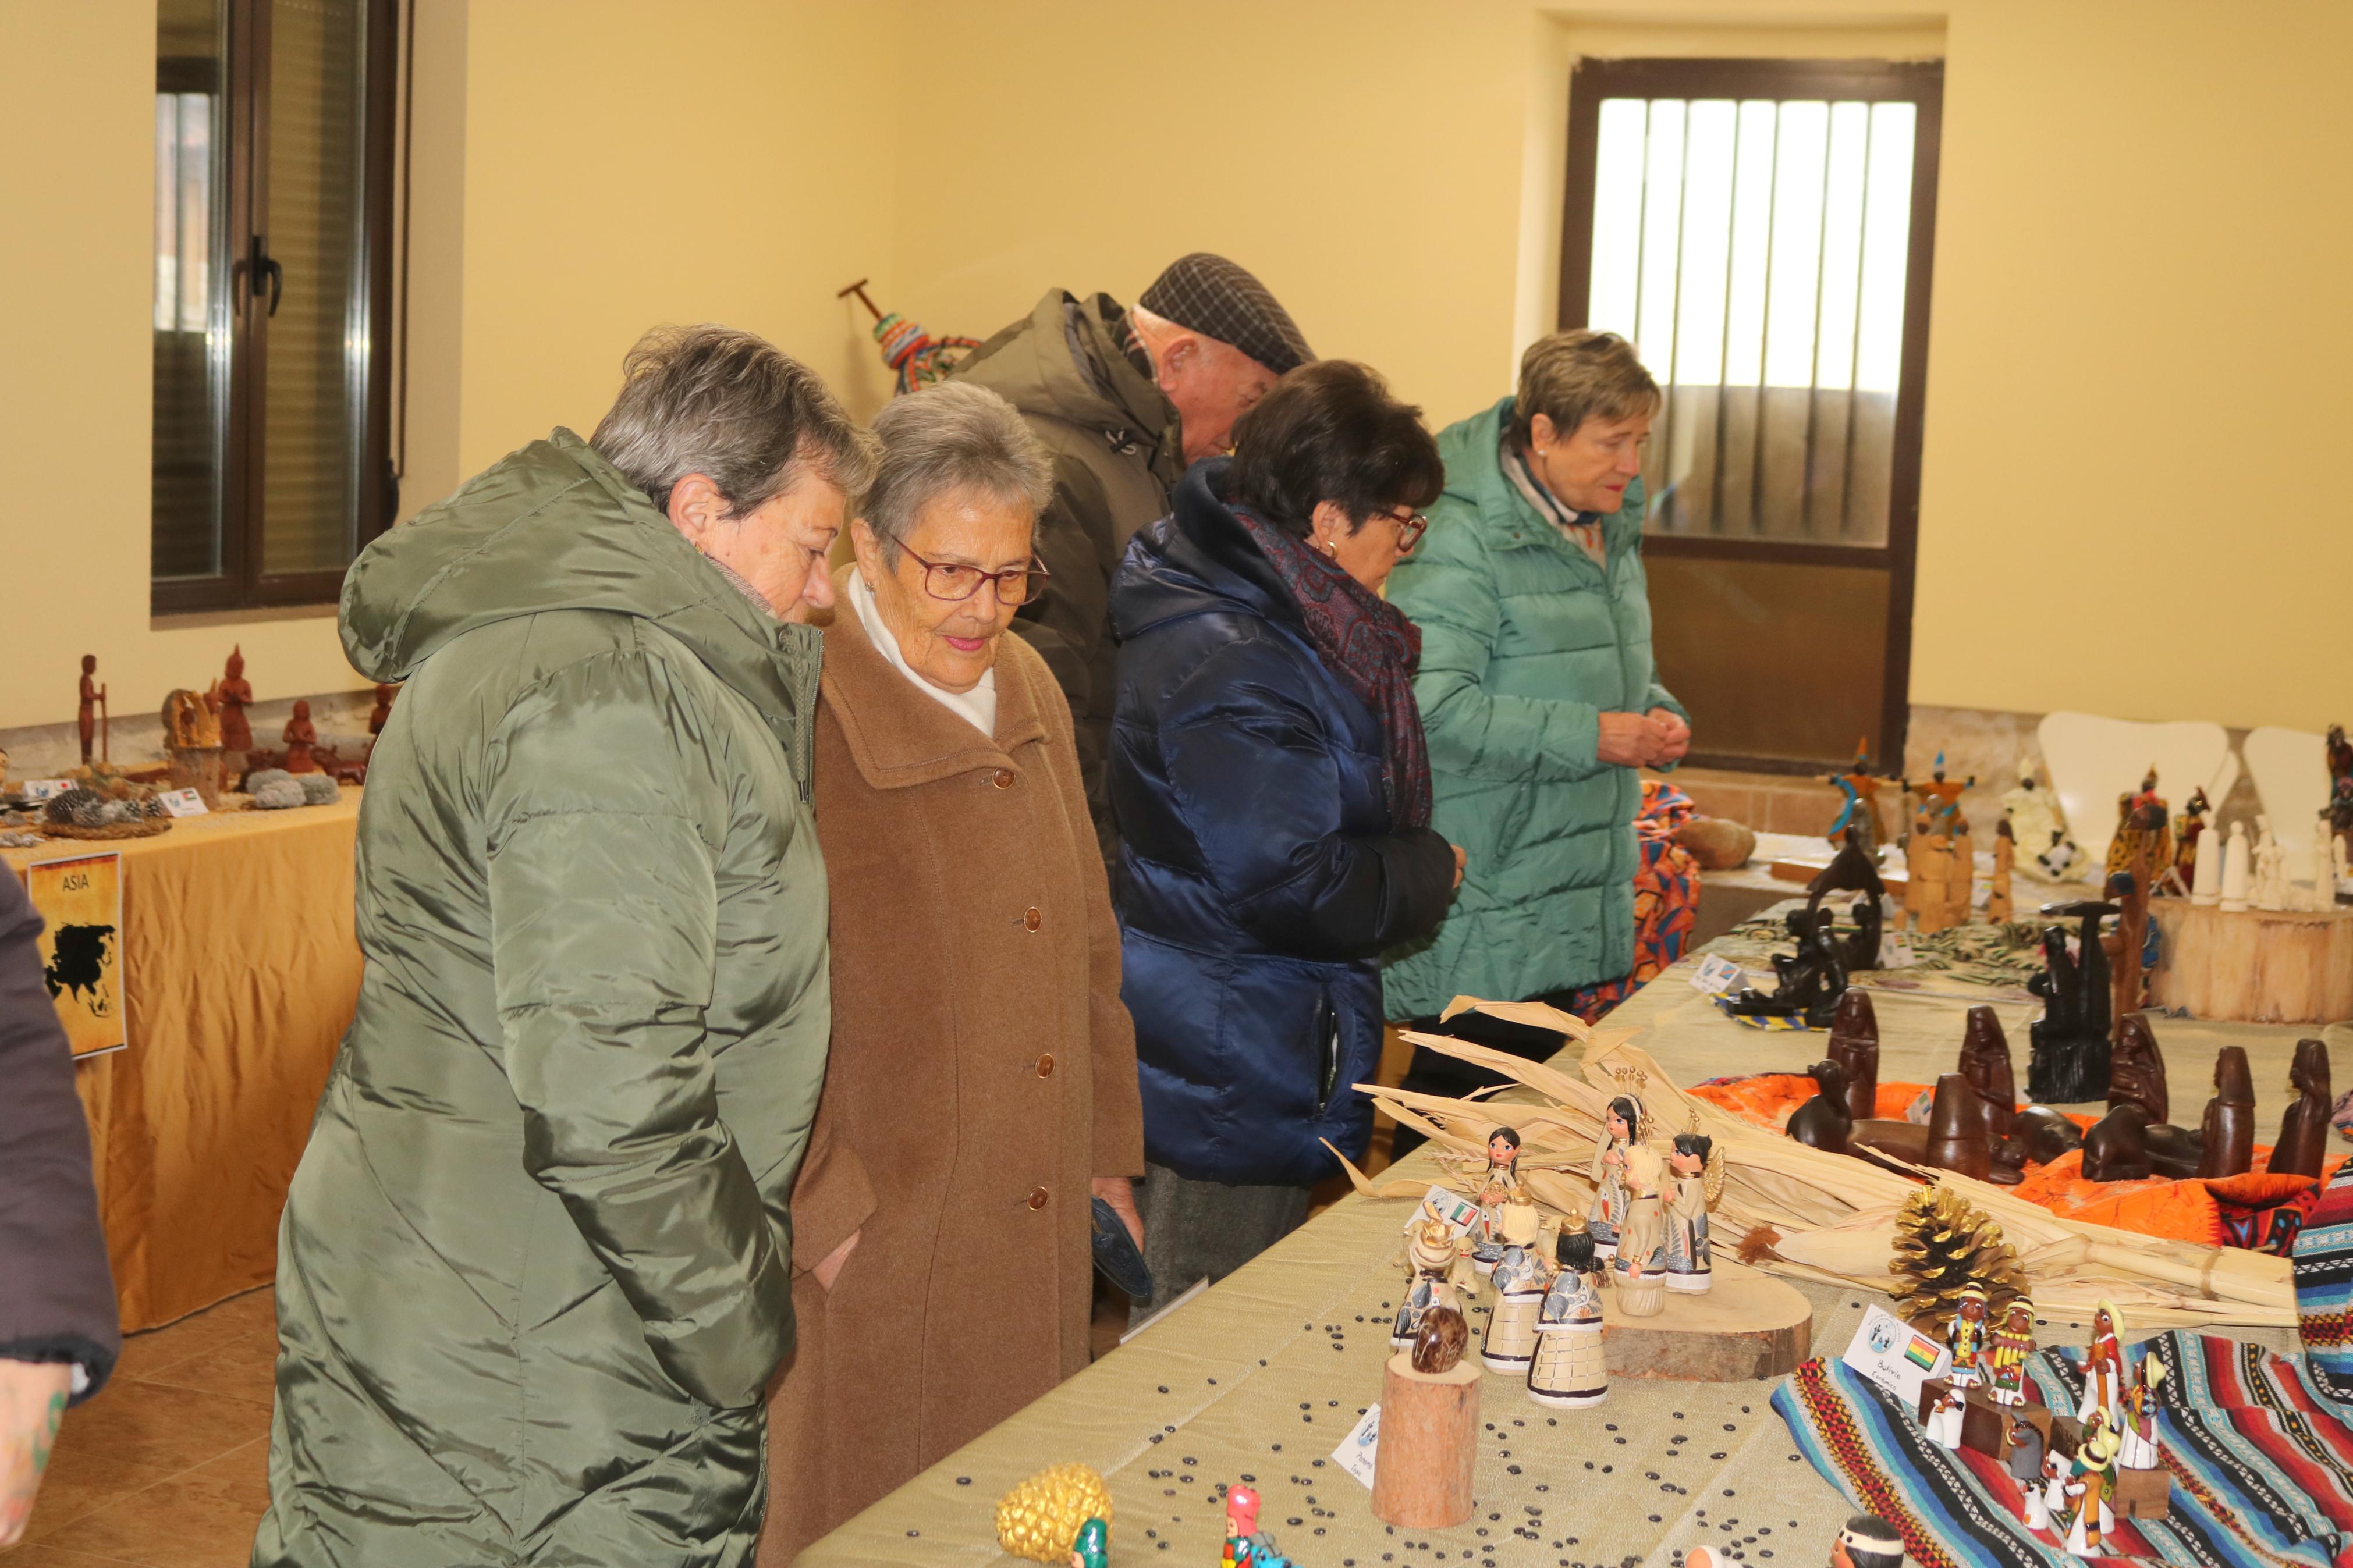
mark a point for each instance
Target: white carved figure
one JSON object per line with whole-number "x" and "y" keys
{"x": 2269, "y": 887}
{"x": 2236, "y": 869}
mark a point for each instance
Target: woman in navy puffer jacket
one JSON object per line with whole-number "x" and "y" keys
{"x": 1272, "y": 793}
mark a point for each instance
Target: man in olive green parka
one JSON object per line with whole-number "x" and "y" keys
{"x": 533, "y": 1271}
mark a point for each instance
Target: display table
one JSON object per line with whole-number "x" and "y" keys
{"x": 240, "y": 972}
{"x": 1264, "y": 1374}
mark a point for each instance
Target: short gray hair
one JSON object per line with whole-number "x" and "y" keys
{"x": 945, "y": 439}
{"x": 1570, "y": 377}
{"x": 733, "y": 407}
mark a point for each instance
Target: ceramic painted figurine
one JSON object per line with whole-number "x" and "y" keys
{"x": 1642, "y": 1237}
{"x": 300, "y": 736}
{"x": 2104, "y": 1367}
{"x": 2082, "y": 1517}
{"x": 2187, "y": 828}
{"x": 1521, "y": 1276}
{"x": 1944, "y": 1420}
{"x": 1248, "y": 1546}
{"x": 2032, "y": 813}
{"x": 2005, "y": 1358}
{"x": 2025, "y": 1462}
{"x": 1430, "y": 1255}
{"x": 1092, "y": 1547}
{"x": 2143, "y": 829}
{"x": 1940, "y": 799}
{"x": 2137, "y": 1429}
{"x": 1693, "y": 1167}
{"x": 1498, "y": 1186}
{"x": 1621, "y": 1129}
{"x": 1570, "y": 1370}
{"x": 1859, "y": 822}
{"x": 2303, "y": 1132}
{"x": 1967, "y": 1336}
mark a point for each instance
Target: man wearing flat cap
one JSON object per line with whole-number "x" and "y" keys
{"x": 1124, "y": 398}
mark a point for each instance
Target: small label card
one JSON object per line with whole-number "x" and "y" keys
{"x": 1895, "y": 952}
{"x": 184, "y": 803}
{"x": 1895, "y": 1355}
{"x": 1717, "y": 974}
{"x": 1440, "y": 1202}
{"x": 1356, "y": 1452}
{"x": 46, "y": 789}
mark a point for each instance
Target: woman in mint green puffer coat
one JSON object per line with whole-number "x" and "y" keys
{"x": 1536, "y": 686}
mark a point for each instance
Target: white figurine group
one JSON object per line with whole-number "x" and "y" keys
{"x": 1546, "y": 1322}
{"x": 2241, "y": 875}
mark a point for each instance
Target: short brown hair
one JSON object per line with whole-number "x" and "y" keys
{"x": 1570, "y": 377}
{"x": 726, "y": 404}
{"x": 1330, "y": 431}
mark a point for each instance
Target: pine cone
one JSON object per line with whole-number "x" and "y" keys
{"x": 1942, "y": 1245}
{"x": 1040, "y": 1518}
{"x": 77, "y": 807}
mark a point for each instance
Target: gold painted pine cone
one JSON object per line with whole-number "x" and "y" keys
{"x": 1040, "y": 1518}
{"x": 1943, "y": 1244}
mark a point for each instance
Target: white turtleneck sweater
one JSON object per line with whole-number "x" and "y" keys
{"x": 977, "y": 707}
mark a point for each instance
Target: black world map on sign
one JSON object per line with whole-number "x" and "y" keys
{"x": 78, "y": 965}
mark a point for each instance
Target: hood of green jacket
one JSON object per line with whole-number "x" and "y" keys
{"x": 556, "y": 527}
{"x": 1034, "y": 364}
{"x": 1473, "y": 452}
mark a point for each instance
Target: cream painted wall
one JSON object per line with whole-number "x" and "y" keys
{"x": 2133, "y": 406}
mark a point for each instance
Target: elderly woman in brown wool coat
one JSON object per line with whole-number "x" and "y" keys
{"x": 982, "y": 1085}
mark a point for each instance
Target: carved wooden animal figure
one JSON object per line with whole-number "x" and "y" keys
{"x": 1824, "y": 1121}
{"x": 2227, "y": 1137}
{"x": 2117, "y": 1148}
{"x": 2303, "y": 1130}
{"x": 2048, "y": 1134}
{"x": 1854, "y": 1046}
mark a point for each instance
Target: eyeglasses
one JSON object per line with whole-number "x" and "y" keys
{"x": 954, "y": 583}
{"x": 1410, "y": 528}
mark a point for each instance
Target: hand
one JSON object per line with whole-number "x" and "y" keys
{"x": 1673, "y": 734}
{"x": 828, "y": 1270}
{"x": 1461, "y": 860}
{"x": 31, "y": 1402}
{"x": 1120, "y": 1194}
{"x": 1628, "y": 741}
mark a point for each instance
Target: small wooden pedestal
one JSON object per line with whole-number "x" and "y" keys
{"x": 1985, "y": 1424}
{"x": 2256, "y": 966}
{"x": 1749, "y": 1325}
{"x": 2143, "y": 1494}
{"x": 1430, "y": 1441}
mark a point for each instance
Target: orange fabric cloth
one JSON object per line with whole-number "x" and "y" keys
{"x": 240, "y": 972}
{"x": 2180, "y": 1210}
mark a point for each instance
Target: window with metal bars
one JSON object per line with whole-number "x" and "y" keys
{"x": 1763, "y": 231}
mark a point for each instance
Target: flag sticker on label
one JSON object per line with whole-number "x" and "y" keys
{"x": 1922, "y": 1354}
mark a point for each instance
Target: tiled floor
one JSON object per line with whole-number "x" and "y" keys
{"x": 169, "y": 1467}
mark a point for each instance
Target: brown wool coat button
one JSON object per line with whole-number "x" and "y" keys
{"x": 1046, "y": 1065}
{"x": 1037, "y": 1198}
{"x": 1002, "y": 778}
{"x": 1033, "y": 920}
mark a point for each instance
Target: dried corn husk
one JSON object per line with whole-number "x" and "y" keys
{"x": 1834, "y": 1217}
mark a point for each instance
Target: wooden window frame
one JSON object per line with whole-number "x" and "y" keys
{"x": 242, "y": 583}
{"x": 1918, "y": 82}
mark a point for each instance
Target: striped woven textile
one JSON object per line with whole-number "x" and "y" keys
{"x": 2323, "y": 1285}
{"x": 2260, "y": 1458}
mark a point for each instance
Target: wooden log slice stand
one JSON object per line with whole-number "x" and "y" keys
{"x": 2254, "y": 966}
{"x": 1429, "y": 1442}
{"x": 1747, "y": 1325}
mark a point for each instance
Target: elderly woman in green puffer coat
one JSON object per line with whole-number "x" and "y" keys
{"x": 1537, "y": 686}
{"x": 534, "y": 1270}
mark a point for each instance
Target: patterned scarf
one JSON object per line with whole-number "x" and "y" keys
{"x": 1368, "y": 643}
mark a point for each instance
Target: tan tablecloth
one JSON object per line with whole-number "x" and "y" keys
{"x": 1264, "y": 1374}
{"x": 240, "y": 972}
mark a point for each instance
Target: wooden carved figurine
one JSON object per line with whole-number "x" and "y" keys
{"x": 2117, "y": 1148}
{"x": 1849, "y": 871}
{"x": 93, "y": 704}
{"x": 1521, "y": 1275}
{"x": 2227, "y": 1136}
{"x": 1940, "y": 799}
{"x": 1638, "y": 1268}
{"x": 1859, "y": 822}
{"x": 235, "y": 694}
{"x": 2006, "y": 1357}
{"x": 1695, "y": 1169}
{"x": 381, "y": 714}
{"x": 2137, "y": 1070}
{"x": 2067, "y": 1061}
{"x": 2005, "y": 856}
{"x": 2144, "y": 831}
{"x": 1811, "y": 979}
{"x": 1825, "y": 1122}
{"x": 1621, "y": 1131}
{"x": 300, "y": 736}
{"x": 2105, "y": 1373}
{"x": 1571, "y": 1370}
{"x": 1854, "y": 1046}
{"x": 2303, "y": 1132}
{"x": 2128, "y": 947}
{"x": 1968, "y": 1336}
{"x": 1985, "y": 1062}
{"x": 1956, "y": 1128}
{"x": 2048, "y": 1134}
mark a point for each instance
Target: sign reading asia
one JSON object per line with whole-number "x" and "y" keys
{"x": 80, "y": 901}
